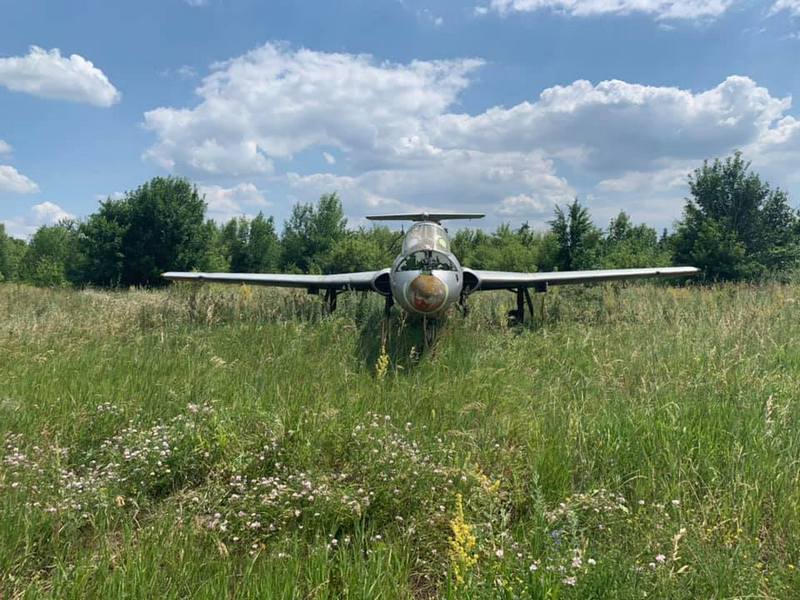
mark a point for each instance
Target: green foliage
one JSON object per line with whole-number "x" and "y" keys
{"x": 52, "y": 258}
{"x": 311, "y": 232}
{"x": 630, "y": 246}
{"x": 606, "y": 450}
{"x": 102, "y": 243}
{"x": 11, "y": 253}
{"x": 354, "y": 253}
{"x": 158, "y": 227}
{"x": 734, "y": 225}
{"x": 246, "y": 246}
{"x": 505, "y": 249}
{"x": 263, "y": 246}
{"x": 578, "y": 241}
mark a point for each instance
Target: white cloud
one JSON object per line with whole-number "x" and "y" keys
{"x": 461, "y": 179}
{"x": 406, "y": 147}
{"x": 15, "y": 182}
{"x": 49, "y": 75}
{"x": 615, "y": 126}
{"x": 46, "y": 213}
{"x": 660, "y": 9}
{"x": 427, "y": 16}
{"x": 790, "y": 6}
{"x": 5, "y": 147}
{"x": 648, "y": 181}
{"x": 226, "y": 203}
{"x": 522, "y": 205}
{"x": 185, "y": 72}
{"x": 273, "y": 102}
{"x": 329, "y": 158}
{"x": 111, "y": 196}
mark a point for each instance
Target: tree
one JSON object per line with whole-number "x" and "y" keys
{"x": 102, "y": 239}
{"x": 577, "y": 239}
{"x": 311, "y": 232}
{"x": 263, "y": 246}
{"x": 233, "y": 239}
{"x": 354, "y": 253}
{"x": 53, "y": 257}
{"x": 629, "y": 246}
{"x": 734, "y": 225}
{"x": 11, "y": 253}
{"x": 158, "y": 227}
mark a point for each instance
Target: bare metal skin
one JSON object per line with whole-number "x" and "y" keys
{"x": 426, "y": 277}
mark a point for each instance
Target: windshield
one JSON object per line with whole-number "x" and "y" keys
{"x": 428, "y": 236}
{"x": 426, "y": 260}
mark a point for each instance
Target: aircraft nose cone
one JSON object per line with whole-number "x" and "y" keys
{"x": 427, "y": 293}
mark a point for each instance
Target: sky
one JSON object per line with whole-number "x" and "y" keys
{"x": 507, "y": 107}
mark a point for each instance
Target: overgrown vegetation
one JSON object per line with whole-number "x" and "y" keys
{"x": 734, "y": 227}
{"x": 232, "y": 442}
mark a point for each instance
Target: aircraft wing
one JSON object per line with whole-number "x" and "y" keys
{"x": 340, "y": 281}
{"x": 501, "y": 280}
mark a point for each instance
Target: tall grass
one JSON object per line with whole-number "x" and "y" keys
{"x": 216, "y": 441}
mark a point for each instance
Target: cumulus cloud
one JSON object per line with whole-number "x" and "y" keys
{"x": 405, "y": 145}
{"x": 226, "y": 203}
{"x": 790, "y": 6}
{"x": 660, "y": 9}
{"x": 15, "y": 182}
{"x": 614, "y": 125}
{"x": 49, "y": 75}
{"x": 273, "y": 102}
{"x": 522, "y": 205}
{"x": 463, "y": 179}
{"x": 46, "y": 213}
{"x": 648, "y": 181}
{"x": 5, "y": 147}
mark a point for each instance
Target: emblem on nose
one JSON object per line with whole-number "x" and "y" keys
{"x": 427, "y": 293}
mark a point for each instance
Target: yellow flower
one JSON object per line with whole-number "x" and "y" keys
{"x": 462, "y": 544}
{"x": 382, "y": 364}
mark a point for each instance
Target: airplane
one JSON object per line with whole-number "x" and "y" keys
{"x": 426, "y": 278}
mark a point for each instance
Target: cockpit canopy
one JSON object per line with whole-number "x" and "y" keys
{"x": 426, "y": 260}
{"x": 426, "y": 236}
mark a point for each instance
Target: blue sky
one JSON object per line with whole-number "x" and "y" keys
{"x": 502, "y": 106}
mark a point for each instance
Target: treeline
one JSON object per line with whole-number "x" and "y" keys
{"x": 734, "y": 227}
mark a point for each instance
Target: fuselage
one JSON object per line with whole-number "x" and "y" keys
{"x": 426, "y": 278}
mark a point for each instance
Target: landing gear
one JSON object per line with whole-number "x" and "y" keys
{"x": 387, "y": 312}
{"x": 428, "y": 331}
{"x": 330, "y": 300}
{"x": 463, "y": 306}
{"x": 387, "y": 307}
{"x": 517, "y": 317}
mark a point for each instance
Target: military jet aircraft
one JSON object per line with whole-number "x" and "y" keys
{"x": 426, "y": 278}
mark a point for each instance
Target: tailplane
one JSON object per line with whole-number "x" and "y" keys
{"x": 436, "y": 217}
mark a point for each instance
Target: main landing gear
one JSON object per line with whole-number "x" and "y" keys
{"x": 517, "y": 317}
{"x": 385, "y": 326}
{"x": 330, "y": 299}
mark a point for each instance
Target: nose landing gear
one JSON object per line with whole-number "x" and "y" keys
{"x": 428, "y": 331}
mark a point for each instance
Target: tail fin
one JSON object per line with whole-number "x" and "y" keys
{"x": 434, "y": 216}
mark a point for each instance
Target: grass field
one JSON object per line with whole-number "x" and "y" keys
{"x": 211, "y": 442}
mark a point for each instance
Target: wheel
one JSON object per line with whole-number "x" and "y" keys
{"x": 429, "y": 331}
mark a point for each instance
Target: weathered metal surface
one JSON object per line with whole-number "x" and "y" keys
{"x": 426, "y": 278}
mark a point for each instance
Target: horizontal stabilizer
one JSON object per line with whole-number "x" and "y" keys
{"x": 436, "y": 217}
